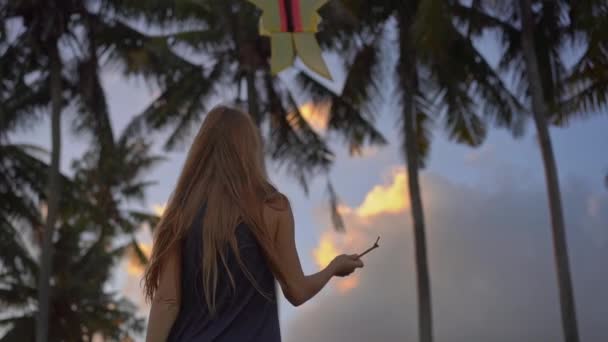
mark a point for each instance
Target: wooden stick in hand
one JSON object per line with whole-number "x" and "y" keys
{"x": 376, "y": 245}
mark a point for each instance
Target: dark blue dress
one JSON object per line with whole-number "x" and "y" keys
{"x": 243, "y": 314}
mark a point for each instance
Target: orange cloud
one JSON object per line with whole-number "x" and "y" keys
{"x": 369, "y": 151}
{"x": 159, "y": 209}
{"x": 346, "y": 284}
{"x": 344, "y": 209}
{"x": 326, "y": 252}
{"x": 383, "y": 199}
{"x": 390, "y": 198}
{"x": 316, "y": 115}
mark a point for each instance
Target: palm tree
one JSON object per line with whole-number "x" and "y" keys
{"x": 228, "y": 59}
{"x": 93, "y": 215}
{"x": 541, "y": 113}
{"x": 533, "y": 53}
{"x": 46, "y": 22}
{"x": 81, "y": 305}
{"x": 430, "y": 88}
{"x": 51, "y": 26}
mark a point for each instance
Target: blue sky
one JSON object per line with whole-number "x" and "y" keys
{"x": 503, "y": 181}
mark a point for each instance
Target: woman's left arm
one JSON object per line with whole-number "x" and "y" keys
{"x": 165, "y": 305}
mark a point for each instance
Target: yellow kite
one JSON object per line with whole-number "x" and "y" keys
{"x": 291, "y": 26}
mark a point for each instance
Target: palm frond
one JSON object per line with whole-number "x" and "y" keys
{"x": 197, "y": 40}
{"x": 139, "y": 254}
{"x": 181, "y": 104}
{"x": 21, "y": 99}
{"x": 345, "y": 117}
{"x": 292, "y": 143}
{"x": 142, "y": 55}
{"x": 94, "y": 116}
{"x": 587, "y": 95}
{"x": 15, "y": 258}
{"x": 424, "y": 134}
{"x": 22, "y": 183}
{"x": 21, "y": 329}
{"x": 587, "y": 82}
{"x": 164, "y": 14}
{"x": 478, "y": 18}
{"x": 336, "y": 217}
{"x": 474, "y": 91}
{"x": 143, "y": 217}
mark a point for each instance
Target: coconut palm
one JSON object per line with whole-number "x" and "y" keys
{"x": 22, "y": 192}
{"x": 541, "y": 111}
{"x": 92, "y": 205}
{"x": 229, "y": 61}
{"x": 94, "y": 215}
{"x": 430, "y": 89}
{"x": 81, "y": 306}
{"x": 36, "y": 75}
{"x": 534, "y": 34}
{"x": 45, "y": 23}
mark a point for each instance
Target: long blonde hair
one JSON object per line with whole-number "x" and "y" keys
{"x": 224, "y": 169}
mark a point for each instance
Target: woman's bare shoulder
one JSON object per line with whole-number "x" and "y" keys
{"x": 277, "y": 211}
{"x": 277, "y": 201}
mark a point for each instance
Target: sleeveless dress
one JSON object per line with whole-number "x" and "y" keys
{"x": 242, "y": 314}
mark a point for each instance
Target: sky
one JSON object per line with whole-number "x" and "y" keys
{"x": 489, "y": 237}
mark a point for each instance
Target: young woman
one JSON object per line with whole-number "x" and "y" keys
{"x": 224, "y": 238}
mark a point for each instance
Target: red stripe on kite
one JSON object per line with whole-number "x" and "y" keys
{"x": 295, "y": 15}
{"x": 283, "y": 15}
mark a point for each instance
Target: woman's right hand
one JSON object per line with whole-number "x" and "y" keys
{"x": 343, "y": 265}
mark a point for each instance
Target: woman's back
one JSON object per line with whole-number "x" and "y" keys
{"x": 242, "y": 313}
{"x": 225, "y": 169}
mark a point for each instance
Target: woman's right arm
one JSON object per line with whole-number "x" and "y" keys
{"x": 297, "y": 287}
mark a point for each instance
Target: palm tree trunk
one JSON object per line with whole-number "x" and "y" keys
{"x": 425, "y": 316}
{"x": 53, "y": 193}
{"x": 541, "y": 113}
{"x": 408, "y": 82}
{"x": 94, "y": 95}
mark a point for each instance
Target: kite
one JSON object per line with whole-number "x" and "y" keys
{"x": 291, "y": 26}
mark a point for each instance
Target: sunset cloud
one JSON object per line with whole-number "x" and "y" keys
{"x": 316, "y": 115}
{"x": 347, "y": 284}
{"x": 387, "y": 198}
{"x": 369, "y": 151}
{"x": 159, "y": 209}
{"x": 131, "y": 270}
{"x": 325, "y": 253}
{"x": 491, "y": 265}
{"x": 383, "y": 199}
